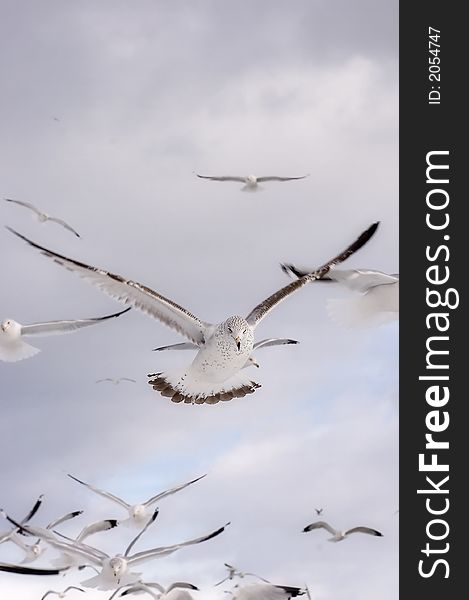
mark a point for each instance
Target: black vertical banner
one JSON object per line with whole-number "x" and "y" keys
{"x": 433, "y": 266}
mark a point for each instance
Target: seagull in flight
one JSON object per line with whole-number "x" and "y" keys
{"x": 63, "y": 593}
{"x": 234, "y": 572}
{"x": 338, "y": 536}
{"x": 42, "y": 217}
{"x": 216, "y": 372}
{"x": 175, "y": 591}
{"x": 376, "y": 300}
{"x": 115, "y": 381}
{"x": 251, "y": 182}
{"x": 114, "y": 570}
{"x": 319, "y": 511}
{"x": 138, "y": 513}
{"x": 13, "y": 348}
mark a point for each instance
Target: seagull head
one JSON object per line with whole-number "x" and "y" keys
{"x": 118, "y": 566}
{"x": 11, "y": 328}
{"x": 36, "y": 550}
{"x": 238, "y": 328}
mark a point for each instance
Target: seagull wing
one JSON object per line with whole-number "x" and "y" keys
{"x": 128, "y": 379}
{"x": 105, "y": 379}
{"x": 183, "y": 346}
{"x": 222, "y": 581}
{"x": 171, "y": 491}
{"x": 364, "y": 530}
{"x": 262, "y": 309}
{"x": 257, "y": 576}
{"x": 103, "y": 493}
{"x": 276, "y": 178}
{"x": 96, "y": 528}
{"x": 61, "y": 327}
{"x": 136, "y": 589}
{"x": 223, "y": 178}
{"x": 48, "y": 593}
{"x": 67, "y": 517}
{"x": 7, "y": 568}
{"x": 73, "y": 587}
{"x": 150, "y": 521}
{"x": 26, "y": 205}
{"x": 64, "y": 224}
{"x": 146, "y": 555}
{"x": 273, "y": 342}
{"x": 133, "y": 293}
{"x": 320, "y": 525}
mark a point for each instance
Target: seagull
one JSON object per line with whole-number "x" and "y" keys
{"x": 234, "y": 572}
{"x": 340, "y": 535}
{"x": 115, "y": 381}
{"x": 377, "y": 303}
{"x": 251, "y": 182}
{"x": 216, "y": 371}
{"x": 267, "y": 591}
{"x": 5, "y": 537}
{"x": 251, "y": 361}
{"x": 319, "y": 511}
{"x": 14, "y": 349}
{"x": 175, "y": 591}
{"x": 42, "y": 216}
{"x": 138, "y": 513}
{"x": 63, "y": 593}
{"x": 34, "y": 551}
{"x": 116, "y": 570}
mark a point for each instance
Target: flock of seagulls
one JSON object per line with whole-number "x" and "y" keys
{"x": 217, "y": 373}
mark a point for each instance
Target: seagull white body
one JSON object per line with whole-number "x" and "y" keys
{"x": 337, "y": 535}
{"x": 266, "y": 591}
{"x": 251, "y": 182}
{"x": 114, "y": 571}
{"x": 138, "y": 514}
{"x": 216, "y": 372}
{"x": 376, "y": 299}
{"x": 13, "y": 348}
{"x": 63, "y": 593}
{"x": 43, "y": 217}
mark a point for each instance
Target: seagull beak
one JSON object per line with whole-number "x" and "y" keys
{"x": 237, "y": 339}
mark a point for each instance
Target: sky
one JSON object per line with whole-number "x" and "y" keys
{"x": 107, "y": 111}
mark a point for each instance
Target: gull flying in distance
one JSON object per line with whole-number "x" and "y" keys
{"x": 115, "y": 381}
{"x": 63, "y": 593}
{"x": 216, "y": 371}
{"x": 266, "y": 591}
{"x": 43, "y": 217}
{"x": 14, "y": 349}
{"x": 251, "y": 182}
{"x": 138, "y": 513}
{"x": 340, "y": 535}
{"x": 319, "y": 511}
{"x": 234, "y": 572}
{"x": 175, "y": 591}
{"x": 116, "y": 570}
{"x": 251, "y": 361}
{"x": 377, "y": 302}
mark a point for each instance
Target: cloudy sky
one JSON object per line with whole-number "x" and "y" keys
{"x": 107, "y": 109}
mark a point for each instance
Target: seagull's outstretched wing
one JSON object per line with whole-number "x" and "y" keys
{"x": 103, "y": 493}
{"x": 133, "y": 293}
{"x": 320, "y": 525}
{"x": 96, "y": 528}
{"x": 8, "y": 568}
{"x": 183, "y": 346}
{"x": 262, "y": 309}
{"x": 128, "y": 379}
{"x": 146, "y": 555}
{"x": 360, "y": 280}
{"x": 277, "y": 178}
{"x": 273, "y": 342}
{"x": 171, "y": 491}
{"x": 64, "y": 224}
{"x": 222, "y": 581}
{"x": 26, "y": 205}
{"x": 105, "y": 379}
{"x": 367, "y": 530}
{"x": 150, "y": 522}
{"x": 223, "y": 178}
{"x": 62, "y": 327}
{"x": 8, "y": 535}
{"x": 62, "y": 519}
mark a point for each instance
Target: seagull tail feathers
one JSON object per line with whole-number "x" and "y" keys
{"x": 17, "y": 352}
{"x": 186, "y": 388}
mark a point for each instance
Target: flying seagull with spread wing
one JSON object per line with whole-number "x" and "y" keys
{"x": 251, "y": 182}
{"x": 338, "y": 535}
{"x": 43, "y": 217}
{"x": 216, "y": 372}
